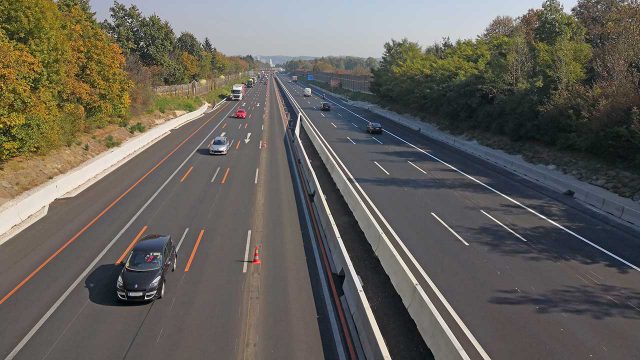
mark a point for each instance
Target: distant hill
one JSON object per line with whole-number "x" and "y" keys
{"x": 281, "y": 59}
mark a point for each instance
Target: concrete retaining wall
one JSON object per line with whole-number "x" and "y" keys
{"x": 15, "y": 211}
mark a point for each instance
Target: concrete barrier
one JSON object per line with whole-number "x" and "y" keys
{"x": 366, "y": 326}
{"x": 432, "y": 327}
{"x": 32, "y": 202}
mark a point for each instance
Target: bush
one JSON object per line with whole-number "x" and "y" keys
{"x": 137, "y": 127}
{"x": 110, "y": 142}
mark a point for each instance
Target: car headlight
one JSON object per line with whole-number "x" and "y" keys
{"x": 120, "y": 283}
{"x": 155, "y": 282}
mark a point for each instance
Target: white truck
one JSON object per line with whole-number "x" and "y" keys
{"x": 307, "y": 92}
{"x": 294, "y": 78}
{"x": 237, "y": 91}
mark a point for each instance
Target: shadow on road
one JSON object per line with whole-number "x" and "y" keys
{"x": 101, "y": 284}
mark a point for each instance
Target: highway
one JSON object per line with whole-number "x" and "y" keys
{"x": 516, "y": 270}
{"x": 58, "y": 286}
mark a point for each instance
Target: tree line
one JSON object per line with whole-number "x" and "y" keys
{"x": 569, "y": 80}
{"x": 62, "y": 72}
{"x": 350, "y": 64}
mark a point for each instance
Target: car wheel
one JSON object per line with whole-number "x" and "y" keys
{"x": 161, "y": 294}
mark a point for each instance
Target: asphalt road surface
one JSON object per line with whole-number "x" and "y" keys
{"x": 58, "y": 275}
{"x": 517, "y": 271}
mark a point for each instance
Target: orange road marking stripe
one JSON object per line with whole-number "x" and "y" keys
{"x": 101, "y": 214}
{"x": 224, "y": 179}
{"x": 135, "y": 240}
{"x": 224, "y": 126}
{"x": 193, "y": 252}
{"x": 186, "y": 174}
{"x": 238, "y": 144}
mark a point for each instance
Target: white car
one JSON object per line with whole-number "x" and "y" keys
{"x": 219, "y": 145}
{"x": 307, "y": 92}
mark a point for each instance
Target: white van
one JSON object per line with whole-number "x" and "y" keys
{"x": 307, "y": 91}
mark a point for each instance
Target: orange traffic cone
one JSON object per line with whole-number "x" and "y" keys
{"x": 256, "y": 256}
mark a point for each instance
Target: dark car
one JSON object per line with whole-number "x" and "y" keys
{"x": 143, "y": 273}
{"x": 325, "y": 106}
{"x": 374, "y": 128}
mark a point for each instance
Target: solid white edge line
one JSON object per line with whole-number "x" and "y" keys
{"x": 450, "y": 229}
{"x": 255, "y": 181}
{"x": 506, "y": 228}
{"x": 556, "y": 224}
{"x": 75, "y": 283}
{"x": 182, "y": 239}
{"x": 416, "y": 166}
{"x": 415, "y": 263}
{"x": 246, "y": 252}
{"x": 381, "y": 168}
{"x": 379, "y": 142}
{"x": 216, "y": 174}
{"x": 353, "y": 142}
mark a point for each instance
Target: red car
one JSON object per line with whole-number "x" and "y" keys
{"x": 241, "y": 114}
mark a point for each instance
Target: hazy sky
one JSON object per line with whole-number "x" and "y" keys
{"x": 327, "y": 27}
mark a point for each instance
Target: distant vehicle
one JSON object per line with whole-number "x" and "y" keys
{"x": 219, "y": 145}
{"x": 237, "y": 92}
{"x": 294, "y": 78}
{"x": 374, "y": 128}
{"x": 241, "y": 114}
{"x": 143, "y": 274}
{"x": 250, "y": 83}
{"x": 307, "y": 92}
{"x": 325, "y": 106}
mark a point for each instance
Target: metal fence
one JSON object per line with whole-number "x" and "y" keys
{"x": 360, "y": 83}
{"x": 196, "y": 88}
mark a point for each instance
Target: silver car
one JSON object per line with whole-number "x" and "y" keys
{"x": 219, "y": 145}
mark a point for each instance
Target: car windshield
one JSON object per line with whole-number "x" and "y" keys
{"x": 144, "y": 261}
{"x": 240, "y": 111}
{"x": 219, "y": 142}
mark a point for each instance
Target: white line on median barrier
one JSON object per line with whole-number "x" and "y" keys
{"x": 246, "y": 252}
{"x": 450, "y": 229}
{"x": 504, "y": 226}
{"x": 182, "y": 238}
{"x": 416, "y": 166}
{"x": 385, "y": 171}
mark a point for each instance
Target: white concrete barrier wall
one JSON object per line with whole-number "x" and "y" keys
{"x": 19, "y": 209}
{"x": 431, "y": 326}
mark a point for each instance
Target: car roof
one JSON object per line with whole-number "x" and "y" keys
{"x": 153, "y": 242}
{"x": 220, "y": 138}
{"x": 325, "y": 103}
{"x": 374, "y": 124}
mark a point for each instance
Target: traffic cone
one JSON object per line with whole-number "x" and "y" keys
{"x": 256, "y": 257}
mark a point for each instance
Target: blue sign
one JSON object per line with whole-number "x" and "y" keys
{"x": 309, "y": 76}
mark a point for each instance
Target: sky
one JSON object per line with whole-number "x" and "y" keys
{"x": 327, "y": 27}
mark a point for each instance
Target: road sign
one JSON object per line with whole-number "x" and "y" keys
{"x": 309, "y": 76}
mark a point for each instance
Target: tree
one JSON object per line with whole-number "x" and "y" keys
{"x": 206, "y": 46}
{"x": 188, "y": 43}
{"x": 500, "y": 26}
{"x": 157, "y": 41}
{"x": 125, "y": 27}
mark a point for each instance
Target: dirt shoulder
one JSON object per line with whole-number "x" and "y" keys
{"x": 23, "y": 173}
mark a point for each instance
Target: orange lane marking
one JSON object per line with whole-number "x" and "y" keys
{"x": 193, "y": 252}
{"x": 135, "y": 240}
{"x": 224, "y": 126}
{"x": 101, "y": 214}
{"x": 245, "y": 125}
{"x": 186, "y": 174}
{"x": 224, "y": 179}
{"x": 238, "y": 144}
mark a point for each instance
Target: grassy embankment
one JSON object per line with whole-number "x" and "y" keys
{"x": 164, "y": 104}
